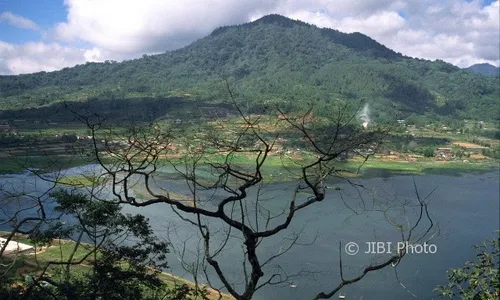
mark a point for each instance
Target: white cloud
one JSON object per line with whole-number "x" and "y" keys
{"x": 37, "y": 56}
{"x": 150, "y": 25}
{"x": 18, "y": 21}
{"x": 459, "y": 32}
{"x": 451, "y": 48}
{"x": 378, "y": 24}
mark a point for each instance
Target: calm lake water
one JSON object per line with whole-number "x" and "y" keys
{"x": 466, "y": 209}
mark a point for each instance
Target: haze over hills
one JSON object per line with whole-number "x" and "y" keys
{"x": 485, "y": 69}
{"x": 273, "y": 60}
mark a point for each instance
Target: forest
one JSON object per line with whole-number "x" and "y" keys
{"x": 272, "y": 61}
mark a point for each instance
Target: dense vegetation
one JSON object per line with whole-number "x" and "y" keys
{"x": 272, "y": 60}
{"x": 477, "y": 279}
{"x": 98, "y": 264}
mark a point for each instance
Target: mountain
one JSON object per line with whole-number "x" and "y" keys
{"x": 485, "y": 69}
{"x": 273, "y": 60}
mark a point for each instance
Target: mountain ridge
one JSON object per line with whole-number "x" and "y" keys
{"x": 270, "y": 61}
{"x": 334, "y": 35}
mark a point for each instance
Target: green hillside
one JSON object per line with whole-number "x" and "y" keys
{"x": 273, "y": 60}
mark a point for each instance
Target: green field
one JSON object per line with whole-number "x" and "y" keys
{"x": 59, "y": 251}
{"x": 18, "y": 164}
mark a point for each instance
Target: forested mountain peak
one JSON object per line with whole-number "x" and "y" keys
{"x": 273, "y": 60}
{"x": 356, "y": 41}
{"x": 273, "y": 19}
{"x": 279, "y": 20}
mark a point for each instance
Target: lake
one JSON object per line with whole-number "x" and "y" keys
{"x": 465, "y": 207}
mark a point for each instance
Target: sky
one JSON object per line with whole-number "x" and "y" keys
{"x": 47, "y": 35}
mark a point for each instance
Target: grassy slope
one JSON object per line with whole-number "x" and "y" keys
{"x": 17, "y": 164}
{"x": 60, "y": 251}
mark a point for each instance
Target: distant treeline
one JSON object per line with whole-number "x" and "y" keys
{"x": 117, "y": 110}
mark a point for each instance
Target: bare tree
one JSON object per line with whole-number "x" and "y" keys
{"x": 48, "y": 210}
{"x": 225, "y": 201}
{"x": 224, "y": 166}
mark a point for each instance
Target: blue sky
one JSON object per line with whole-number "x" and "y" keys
{"x": 44, "y": 13}
{"x": 47, "y": 35}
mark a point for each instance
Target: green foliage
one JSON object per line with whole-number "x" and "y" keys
{"x": 479, "y": 279}
{"x": 428, "y": 152}
{"x": 113, "y": 267}
{"x": 273, "y": 60}
{"x": 493, "y": 153}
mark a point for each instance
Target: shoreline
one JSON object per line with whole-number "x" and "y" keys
{"x": 212, "y": 292}
{"x": 401, "y": 167}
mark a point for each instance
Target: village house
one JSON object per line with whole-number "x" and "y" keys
{"x": 445, "y": 153}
